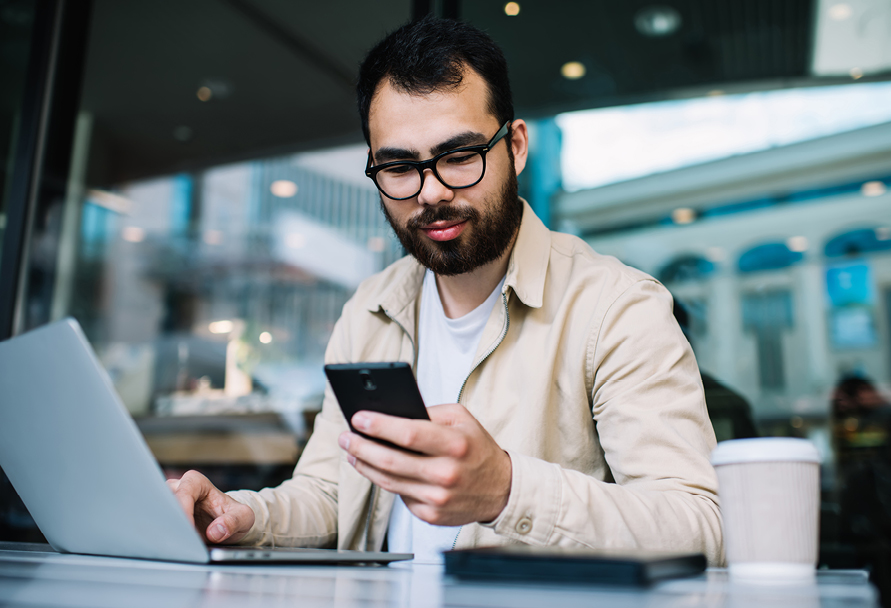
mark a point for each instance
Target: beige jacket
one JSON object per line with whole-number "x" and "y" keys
{"x": 582, "y": 376}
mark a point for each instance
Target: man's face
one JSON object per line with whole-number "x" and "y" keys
{"x": 449, "y": 231}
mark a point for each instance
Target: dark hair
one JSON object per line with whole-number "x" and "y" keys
{"x": 430, "y": 55}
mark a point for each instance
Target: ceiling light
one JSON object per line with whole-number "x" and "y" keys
{"x": 221, "y": 327}
{"x": 511, "y": 9}
{"x": 133, "y": 234}
{"x": 683, "y": 215}
{"x": 715, "y": 254}
{"x": 111, "y": 201}
{"x": 798, "y": 244}
{"x": 573, "y": 70}
{"x": 216, "y": 88}
{"x": 856, "y": 73}
{"x": 873, "y": 189}
{"x": 840, "y": 12}
{"x": 657, "y": 21}
{"x": 295, "y": 240}
{"x": 376, "y": 244}
{"x": 266, "y": 337}
{"x": 283, "y": 188}
{"x": 182, "y": 133}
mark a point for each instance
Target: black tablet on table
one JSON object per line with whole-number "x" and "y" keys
{"x": 570, "y": 565}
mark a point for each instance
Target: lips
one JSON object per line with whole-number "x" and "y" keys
{"x": 445, "y": 230}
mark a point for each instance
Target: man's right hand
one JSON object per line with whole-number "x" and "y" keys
{"x": 217, "y": 516}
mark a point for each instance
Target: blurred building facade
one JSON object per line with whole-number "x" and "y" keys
{"x": 782, "y": 256}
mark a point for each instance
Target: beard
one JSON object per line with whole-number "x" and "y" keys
{"x": 492, "y": 232}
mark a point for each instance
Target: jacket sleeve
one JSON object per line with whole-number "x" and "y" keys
{"x": 650, "y": 415}
{"x": 302, "y": 511}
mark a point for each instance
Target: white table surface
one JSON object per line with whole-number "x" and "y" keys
{"x": 33, "y": 577}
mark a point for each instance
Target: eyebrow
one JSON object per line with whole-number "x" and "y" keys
{"x": 468, "y": 138}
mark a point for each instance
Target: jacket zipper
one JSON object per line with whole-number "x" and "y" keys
{"x": 480, "y": 362}
{"x": 460, "y": 394}
{"x": 494, "y": 346}
{"x": 369, "y": 519}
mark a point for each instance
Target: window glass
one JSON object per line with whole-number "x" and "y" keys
{"x": 16, "y": 22}
{"x": 218, "y": 220}
{"x": 633, "y": 141}
{"x": 779, "y": 259}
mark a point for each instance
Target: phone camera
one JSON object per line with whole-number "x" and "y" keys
{"x": 367, "y": 381}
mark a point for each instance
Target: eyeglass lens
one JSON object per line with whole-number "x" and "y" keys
{"x": 457, "y": 170}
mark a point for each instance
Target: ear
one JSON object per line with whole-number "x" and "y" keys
{"x": 519, "y": 143}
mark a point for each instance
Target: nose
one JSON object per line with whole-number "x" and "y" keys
{"x": 434, "y": 191}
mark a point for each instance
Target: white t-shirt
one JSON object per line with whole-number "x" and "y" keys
{"x": 445, "y": 354}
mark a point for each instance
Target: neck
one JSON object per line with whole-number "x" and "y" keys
{"x": 462, "y": 293}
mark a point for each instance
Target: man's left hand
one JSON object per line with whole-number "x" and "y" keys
{"x": 459, "y": 476}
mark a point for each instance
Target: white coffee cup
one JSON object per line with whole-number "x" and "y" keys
{"x": 770, "y": 501}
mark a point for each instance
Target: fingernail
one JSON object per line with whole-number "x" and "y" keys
{"x": 360, "y": 421}
{"x": 351, "y": 459}
{"x": 221, "y": 531}
{"x": 344, "y": 441}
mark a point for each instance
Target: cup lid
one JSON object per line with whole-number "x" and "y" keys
{"x": 765, "y": 449}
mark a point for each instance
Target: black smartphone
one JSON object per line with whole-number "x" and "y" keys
{"x": 389, "y": 388}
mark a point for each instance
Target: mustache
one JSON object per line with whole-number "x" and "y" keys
{"x": 446, "y": 213}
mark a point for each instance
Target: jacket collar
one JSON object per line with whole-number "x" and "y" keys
{"x": 526, "y": 270}
{"x": 528, "y": 263}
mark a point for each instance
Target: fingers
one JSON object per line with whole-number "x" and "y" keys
{"x": 400, "y": 472}
{"x": 458, "y": 474}
{"x": 424, "y": 436}
{"x": 185, "y": 501}
{"x": 390, "y": 460}
{"x": 232, "y": 525}
{"x": 188, "y": 491}
{"x": 406, "y": 487}
{"x": 202, "y": 502}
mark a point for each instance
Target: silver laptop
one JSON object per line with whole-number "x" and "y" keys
{"x": 81, "y": 466}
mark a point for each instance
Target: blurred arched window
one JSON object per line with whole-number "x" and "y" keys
{"x": 683, "y": 268}
{"x": 862, "y": 240}
{"x": 769, "y": 256}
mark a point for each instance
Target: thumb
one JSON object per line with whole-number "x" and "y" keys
{"x": 235, "y": 522}
{"x": 221, "y": 528}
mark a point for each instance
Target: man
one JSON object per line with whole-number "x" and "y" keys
{"x": 572, "y": 412}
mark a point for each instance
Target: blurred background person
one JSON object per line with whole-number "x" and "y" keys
{"x": 729, "y": 411}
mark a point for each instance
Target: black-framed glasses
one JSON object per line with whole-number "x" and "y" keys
{"x": 456, "y": 169}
